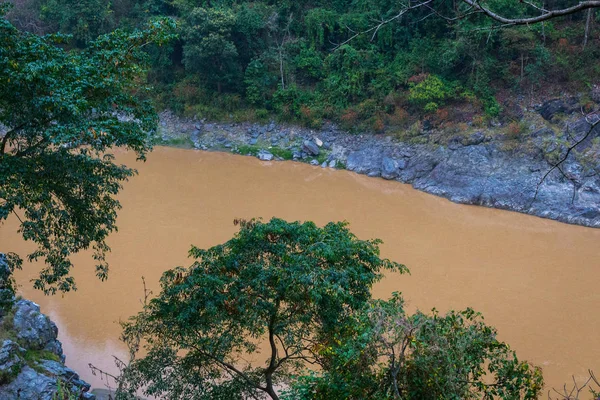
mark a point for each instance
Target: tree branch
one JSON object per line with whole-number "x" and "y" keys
{"x": 564, "y": 158}
{"x": 546, "y": 14}
{"x": 7, "y": 136}
{"x": 376, "y": 28}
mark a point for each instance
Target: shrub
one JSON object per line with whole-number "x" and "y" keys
{"x": 429, "y": 93}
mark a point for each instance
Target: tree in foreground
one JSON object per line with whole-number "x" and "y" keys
{"x": 277, "y": 288}
{"x": 387, "y": 354}
{"x": 61, "y": 112}
{"x": 296, "y": 299}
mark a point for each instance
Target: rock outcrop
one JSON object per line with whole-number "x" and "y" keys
{"x": 31, "y": 357}
{"x": 489, "y": 166}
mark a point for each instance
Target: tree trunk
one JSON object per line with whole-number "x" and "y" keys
{"x": 281, "y": 67}
{"x": 588, "y": 23}
{"x": 270, "y": 390}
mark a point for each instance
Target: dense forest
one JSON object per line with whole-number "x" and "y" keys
{"x": 370, "y": 65}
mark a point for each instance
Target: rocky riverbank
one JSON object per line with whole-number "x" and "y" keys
{"x": 492, "y": 166}
{"x": 32, "y": 363}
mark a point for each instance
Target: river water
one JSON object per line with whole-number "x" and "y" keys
{"x": 536, "y": 280}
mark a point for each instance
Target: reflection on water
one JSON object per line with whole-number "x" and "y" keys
{"x": 536, "y": 280}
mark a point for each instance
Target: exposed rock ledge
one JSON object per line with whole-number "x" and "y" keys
{"x": 31, "y": 358}
{"x": 486, "y": 167}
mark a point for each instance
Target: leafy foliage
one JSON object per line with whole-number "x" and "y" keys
{"x": 252, "y": 50}
{"x": 288, "y": 285}
{"x": 386, "y": 354}
{"x": 301, "y": 295}
{"x": 63, "y": 111}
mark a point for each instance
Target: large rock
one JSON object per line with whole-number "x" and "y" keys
{"x": 367, "y": 161}
{"x": 264, "y": 155}
{"x": 30, "y": 384}
{"x": 389, "y": 168}
{"x": 37, "y": 375}
{"x": 35, "y": 330}
{"x": 595, "y": 93}
{"x": 582, "y": 127}
{"x": 59, "y": 370}
{"x": 552, "y": 107}
{"x": 310, "y": 147}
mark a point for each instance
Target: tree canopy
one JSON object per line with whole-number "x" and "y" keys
{"x": 62, "y": 111}
{"x": 357, "y": 63}
{"x": 296, "y": 299}
{"x": 281, "y": 286}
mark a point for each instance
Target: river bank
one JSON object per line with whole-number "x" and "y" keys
{"x": 491, "y": 167}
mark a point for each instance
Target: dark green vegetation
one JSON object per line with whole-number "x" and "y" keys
{"x": 297, "y": 299}
{"x": 62, "y": 112}
{"x": 306, "y": 61}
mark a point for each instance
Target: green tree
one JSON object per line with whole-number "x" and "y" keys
{"x": 208, "y": 47}
{"x": 62, "y": 112}
{"x": 302, "y": 296}
{"x": 387, "y": 354}
{"x": 287, "y": 286}
{"x": 84, "y": 19}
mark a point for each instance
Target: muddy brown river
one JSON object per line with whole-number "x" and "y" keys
{"x": 536, "y": 280}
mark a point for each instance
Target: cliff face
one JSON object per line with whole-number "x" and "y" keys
{"x": 546, "y": 162}
{"x": 31, "y": 358}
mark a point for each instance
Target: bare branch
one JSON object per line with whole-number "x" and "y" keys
{"x": 564, "y": 158}
{"x": 376, "y": 28}
{"x": 544, "y": 16}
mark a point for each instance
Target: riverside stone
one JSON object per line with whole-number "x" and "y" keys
{"x": 264, "y": 155}
{"x": 26, "y": 378}
{"x": 35, "y": 330}
{"x": 310, "y": 147}
{"x": 552, "y": 107}
{"x": 389, "y": 168}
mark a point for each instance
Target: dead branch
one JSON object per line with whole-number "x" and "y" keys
{"x": 381, "y": 23}
{"x": 544, "y": 16}
{"x": 575, "y": 391}
{"x": 558, "y": 165}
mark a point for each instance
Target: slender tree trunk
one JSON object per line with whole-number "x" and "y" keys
{"x": 281, "y": 67}
{"x": 588, "y": 23}
{"x": 270, "y": 390}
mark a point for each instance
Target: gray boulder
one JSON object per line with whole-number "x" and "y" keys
{"x": 30, "y": 384}
{"x": 59, "y": 370}
{"x": 552, "y": 107}
{"x": 389, "y": 168}
{"x": 35, "y": 330}
{"x": 310, "y": 147}
{"x": 580, "y": 128}
{"x": 35, "y": 377}
{"x": 264, "y": 155}
{"x": 367, "y": 161}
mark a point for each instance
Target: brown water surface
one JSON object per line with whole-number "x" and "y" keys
{"x": 536, "y": 280}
